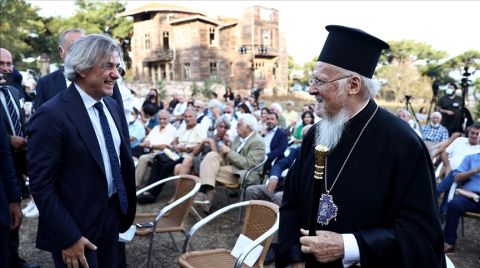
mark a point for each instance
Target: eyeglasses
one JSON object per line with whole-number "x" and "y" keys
{"x": 313, "y": 82}
{"x": 109, "y": 67}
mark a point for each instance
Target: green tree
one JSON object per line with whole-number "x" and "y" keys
{"x": 23, "y": 32}
{"x": 100, "y": 17}
{"x": 401, "y": 79}
{"x": 410, "y": 51}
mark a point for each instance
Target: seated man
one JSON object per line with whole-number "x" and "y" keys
{"x": 275, "y": 139}
{"x": 434, "y": 132}
{"x": 273, "y": 191}
{"x": 191, "y": 163}
{"x": 467, "y": 173}
{"x": 158, "y": 139}
{"x": 164, "y": 164}
{"x": 453, "y": 156}
{"x": 233, "y": 160}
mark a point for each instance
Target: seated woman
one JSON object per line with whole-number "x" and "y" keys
{"x": 307, "y": 119}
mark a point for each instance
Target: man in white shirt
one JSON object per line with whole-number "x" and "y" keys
{"x": 159, "y": 138}
{"x": 81, "y": 171}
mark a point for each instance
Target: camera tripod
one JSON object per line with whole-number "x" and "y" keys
{"x": 408, "y": 105}
{"x": 433, "y": 103}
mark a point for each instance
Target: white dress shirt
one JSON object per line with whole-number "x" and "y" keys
{"x": 95, "y": 119}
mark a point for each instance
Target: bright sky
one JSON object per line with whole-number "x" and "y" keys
{"x": 445, "y": 25}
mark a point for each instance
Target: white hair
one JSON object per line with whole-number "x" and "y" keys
{"x": 87, "y": 51}
{"x": 249, "y": 120}
{"x": 276, "y": 106}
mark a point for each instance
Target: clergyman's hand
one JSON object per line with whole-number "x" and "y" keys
{"x": 75, "y": 254}
{"x": 298, "y": 265}
{"x": 326, "y": 246}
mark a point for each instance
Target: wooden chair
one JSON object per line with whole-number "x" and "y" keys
{"x": 260, "y": 223}
{"x": 172, "y": 217}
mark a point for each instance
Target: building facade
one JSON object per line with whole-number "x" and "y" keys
{"x": 174, "y": 43}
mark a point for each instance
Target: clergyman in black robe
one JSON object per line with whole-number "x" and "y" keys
{"x": 385, "y": 192}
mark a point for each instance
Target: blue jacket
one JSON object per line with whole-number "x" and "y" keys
{"x": 67, "y": 176}
{"x": 9, "y": 191}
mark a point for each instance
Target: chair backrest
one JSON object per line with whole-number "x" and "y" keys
{"x": 256, "y": 168}
{"x": 178, "y": 214}
{"x": 260, "y": 216}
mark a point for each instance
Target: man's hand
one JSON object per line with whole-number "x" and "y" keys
{"x": 326, "y": 246}
{"x": 15, "y": 215}
{"x": 18, "y": 143}
{"x": 224, "y": 149}
{"x": 75, "y": 254}
{"x": 272, "y": 185}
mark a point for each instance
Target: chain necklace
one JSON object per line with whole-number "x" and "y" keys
{"x": 327, "y": 210}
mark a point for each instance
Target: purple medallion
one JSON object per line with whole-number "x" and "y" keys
{"x": 327, "y": 210}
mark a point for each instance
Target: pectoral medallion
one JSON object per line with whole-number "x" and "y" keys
{"x": 327, "y": 210}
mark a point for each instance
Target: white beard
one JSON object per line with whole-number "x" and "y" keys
{"x": 330, "y": 129}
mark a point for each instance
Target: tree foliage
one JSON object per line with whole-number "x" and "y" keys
{"x": 410, "y": 51}
{"x": 22, "y": 31}
{"x": 99, "y": 17}
{"x": 402, "y": 79}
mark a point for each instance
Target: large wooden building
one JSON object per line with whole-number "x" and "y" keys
{"x": 175, "y": 43}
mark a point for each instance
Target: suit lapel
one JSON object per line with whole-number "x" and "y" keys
{"x": 78, "y": 114}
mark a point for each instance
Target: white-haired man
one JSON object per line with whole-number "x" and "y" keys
{"x": 376, "y": 199}
{"x": 435, "y": 132}
{"x": 81, "y": 171}
{"x": 231, "y": 162}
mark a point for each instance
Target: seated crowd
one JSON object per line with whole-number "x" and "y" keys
{"x": 218, "y": 142}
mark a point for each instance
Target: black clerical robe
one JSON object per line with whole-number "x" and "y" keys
{"x": 385, "y": 195}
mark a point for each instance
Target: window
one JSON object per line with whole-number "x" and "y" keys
{"x": 212, "y": 36}
{"x": 213, "y": 70}
{"x": 166, "y": 44}
{"x": 267, "y": 37}
{"x": 147, "y": 41}
{"x": 186, "y": 71}
{"x": 265, "y": 14}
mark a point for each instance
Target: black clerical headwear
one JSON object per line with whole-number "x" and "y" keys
{"x": 352, "y": 49}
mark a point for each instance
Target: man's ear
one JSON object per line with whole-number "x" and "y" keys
{"x": 82, "y": 73}
{"x": 355, "y": 85}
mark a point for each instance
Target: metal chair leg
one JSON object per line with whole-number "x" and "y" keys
{"x": 195, "y": 212}
{"x": 174, "y": 241}
{"x": 150, "y": 250}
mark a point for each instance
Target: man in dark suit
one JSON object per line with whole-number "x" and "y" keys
{"x": 12, "y": 114}
{"x": 81, "y": 170}
{"x": 276, "y": 140}
{"x": 10, "y": 212}
{"x": 53, "y": 83}
{"x": 50, "y": 85}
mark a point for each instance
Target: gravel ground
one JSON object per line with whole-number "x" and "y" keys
{"x": 220, "y": 233}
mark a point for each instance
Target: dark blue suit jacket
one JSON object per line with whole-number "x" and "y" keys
{"x": 54, "y": 83}
{"x": 49, "y": 86}
{"x": 9, "y": 191}
{"x": 278, "y": 145}
{"x": 67, "y": 176}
